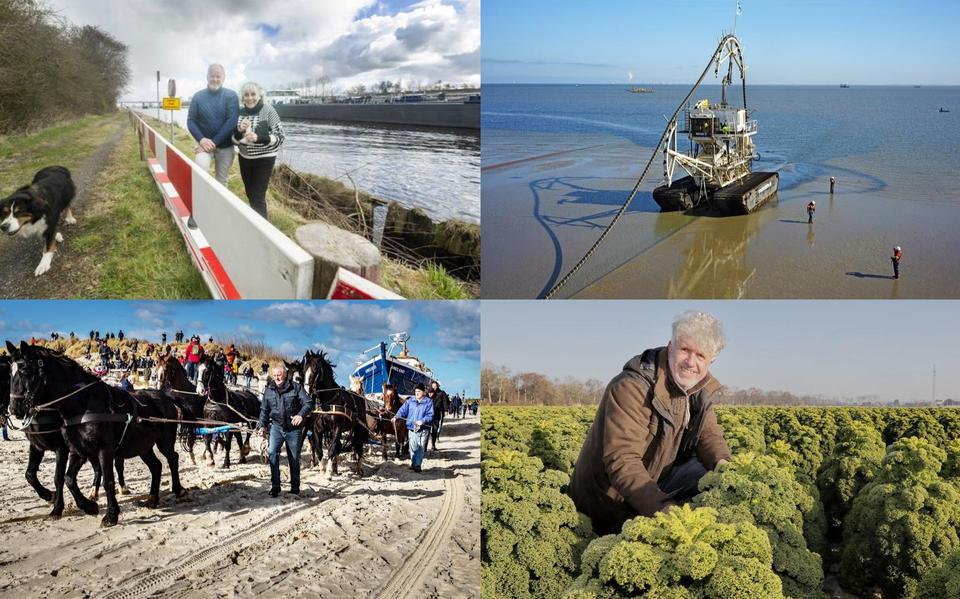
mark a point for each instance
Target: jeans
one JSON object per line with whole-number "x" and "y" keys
{"x": 682, "y": 480}
{"x": 192, "y": 371}
{"x": 255, "y": 173}
{"x": 6, "y": 435}
{"x": 223, "y": 158}
{"x": 249, "y": 378}
{"x": 418, "y": 444}
{"x": 292, "y": 439}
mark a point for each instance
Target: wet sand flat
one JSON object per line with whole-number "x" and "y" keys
{"x": 542, "y": 214}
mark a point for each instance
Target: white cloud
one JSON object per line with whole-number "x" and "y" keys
{"x": 458, "y": 327}
{"x": 350, "y": 321}
{"x": 287, "y": 41}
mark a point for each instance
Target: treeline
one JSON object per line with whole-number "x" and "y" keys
{"x": 51, "y": 70}
{"x": 500, "y": 385}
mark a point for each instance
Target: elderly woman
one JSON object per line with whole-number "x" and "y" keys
{"x": 258, "y": 136}
{"x": 655, "y": 433}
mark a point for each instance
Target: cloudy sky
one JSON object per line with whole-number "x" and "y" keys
{"x": 282, "y": 41}
{"x": 837, "y": 349}
{"x": 444, "y": 334}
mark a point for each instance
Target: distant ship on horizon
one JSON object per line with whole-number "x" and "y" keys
{"x": 640, "y": 90}
{"x": 844, "y": 85}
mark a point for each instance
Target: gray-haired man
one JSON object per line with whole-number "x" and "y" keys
{"x": 655, "y": 433}
{"x": 212, "y": 116}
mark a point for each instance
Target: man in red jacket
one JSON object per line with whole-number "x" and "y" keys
{"x": 194, "y": 353}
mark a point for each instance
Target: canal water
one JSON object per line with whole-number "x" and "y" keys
{"x": 437, "y": 170}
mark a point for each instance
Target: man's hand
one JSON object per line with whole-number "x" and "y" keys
{"x": 296, "y": 420}
{"x": 207, "y": 145}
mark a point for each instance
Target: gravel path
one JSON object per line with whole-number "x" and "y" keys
{"x": 19, "y": 256}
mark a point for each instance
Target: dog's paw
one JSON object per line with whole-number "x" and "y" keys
{"x": 70, "y": 220}
{"x": 44, "y": 265}
{"x": 59, "y": 237}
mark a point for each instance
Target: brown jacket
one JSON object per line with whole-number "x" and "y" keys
{"x": 637, "y": 435}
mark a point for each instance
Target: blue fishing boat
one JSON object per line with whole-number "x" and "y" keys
{"x": 393, "y": 364}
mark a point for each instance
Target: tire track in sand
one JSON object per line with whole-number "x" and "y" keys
{"x": 408, "y": 579}
{"x": 221, "y": 549}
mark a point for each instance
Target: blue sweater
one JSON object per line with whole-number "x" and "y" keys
{"x": 213, "y": 115}
{"x": 413, "y": 410}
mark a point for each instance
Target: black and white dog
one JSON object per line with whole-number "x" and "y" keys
{"x": 35, "y": 209}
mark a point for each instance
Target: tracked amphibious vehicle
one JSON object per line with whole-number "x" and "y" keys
{"x": 721, "y": 150}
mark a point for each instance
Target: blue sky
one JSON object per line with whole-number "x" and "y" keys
{"x": 785, "y": 41}
{"x": 445, "y": 335}
{"x": 834, "y": 348}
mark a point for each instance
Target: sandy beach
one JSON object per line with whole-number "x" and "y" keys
{"x": 549, "y": 207}
{"x": 392, "y": 533}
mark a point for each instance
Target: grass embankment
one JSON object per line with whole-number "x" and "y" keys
{"x": 420, "y": 280}
{"x": 125, "y": 243}
{"x": 67, "y": 144}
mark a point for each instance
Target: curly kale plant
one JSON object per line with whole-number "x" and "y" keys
{"x": 683, "y": 553}
{"x": 532, "y": 535}
{"x": 757, "y": 489}
{"x": 902, "y": 523}
{"x": 942, "y": 582}
{"x": 854, "y": 463}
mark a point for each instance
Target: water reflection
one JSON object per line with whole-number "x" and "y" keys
{"x": 715, "y": 263}
{"x": 437, "y": 170}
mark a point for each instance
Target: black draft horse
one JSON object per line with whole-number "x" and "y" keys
{"x": 43, "y": 433}
{"x": 173, "y": 380}
{"x": 223, "y": 405}
{"x": 101, "y": 422}
{"x": 335, "y": 410}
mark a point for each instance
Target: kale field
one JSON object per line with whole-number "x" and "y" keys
{"x": 816, "y": 503}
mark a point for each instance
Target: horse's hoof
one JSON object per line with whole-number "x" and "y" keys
{"x": 46, "y": 496}
{"x": 152, "y": 502}
{"x": 243, "y": 459}
{"x": 124, "y": 490}
{"x": 55, "y": 514}
{"x": 107, "y": 522}
{"x": 181, "y": 493}
{"x": 90, "y": 509}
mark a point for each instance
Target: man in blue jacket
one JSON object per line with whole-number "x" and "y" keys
{"x": 211, "y": 119}
{"x": 418, "y": 413}
{"x": 285, "y": 407}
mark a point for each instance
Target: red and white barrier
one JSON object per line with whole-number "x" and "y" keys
{"x": 349, "y": 285}
{"x": 239, "y": 253}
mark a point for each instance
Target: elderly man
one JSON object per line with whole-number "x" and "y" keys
{"x": 212, "y": 116}
{"x": 285, "y": 407}
{"x": 655, "y": 433}
{"x": 419, "y": 415}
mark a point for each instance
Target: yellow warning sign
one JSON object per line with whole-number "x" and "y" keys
{"x": 171, "y": 103}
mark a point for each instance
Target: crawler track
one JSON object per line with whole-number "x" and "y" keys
{"x": 221, "y": 549}
{"x": 408, "y": 579}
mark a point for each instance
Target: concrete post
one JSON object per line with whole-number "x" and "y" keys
{"x": 332, "y": 247}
